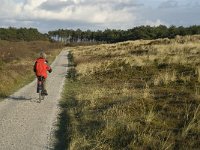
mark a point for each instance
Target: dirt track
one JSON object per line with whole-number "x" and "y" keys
{"x": 26, "y": 124}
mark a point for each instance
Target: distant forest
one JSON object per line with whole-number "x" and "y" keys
{"x": 22, "y": 34}
{"x": 112, "y": 36}
{"x": 106, "y": 36}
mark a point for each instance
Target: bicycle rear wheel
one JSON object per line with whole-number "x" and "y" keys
{"x": 41, "y": 96}
{"x": 40, "y": 90}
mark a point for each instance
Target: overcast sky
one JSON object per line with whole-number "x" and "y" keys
{"x": 46, "y": 15}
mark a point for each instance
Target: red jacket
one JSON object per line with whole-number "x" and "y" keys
{"x": 41, "y": 67}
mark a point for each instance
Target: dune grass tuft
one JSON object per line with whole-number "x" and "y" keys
{"x": 135, "y": 95}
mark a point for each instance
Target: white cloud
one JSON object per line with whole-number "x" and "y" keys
{"x": 155, "y": 23}
{"x": 100, "y": 11}
{"x": 52, "y": 5}
{"x": 9, "y": 9}
{"x": 79, "y": 10}
{"x": 97, "y": 13}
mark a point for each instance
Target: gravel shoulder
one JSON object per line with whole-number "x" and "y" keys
{"x": 26, "y": 124}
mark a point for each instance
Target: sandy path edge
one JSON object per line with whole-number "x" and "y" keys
{"x": 26, "y": 124}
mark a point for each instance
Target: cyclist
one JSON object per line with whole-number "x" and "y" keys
{"x": 40, "y": 68}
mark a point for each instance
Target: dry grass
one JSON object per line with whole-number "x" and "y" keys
{"x": 17, "y": 60}
{"x": 135, "y": 95}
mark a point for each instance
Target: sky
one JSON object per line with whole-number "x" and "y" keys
{"x": 48, "y": 15}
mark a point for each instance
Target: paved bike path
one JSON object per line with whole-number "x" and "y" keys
{"x": 26, "y": 124}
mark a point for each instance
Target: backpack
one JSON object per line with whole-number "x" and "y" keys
{"x": 40, "y": 67}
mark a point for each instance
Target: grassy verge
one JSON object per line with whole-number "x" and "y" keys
{"x": 17, "y": 60}
{"x": 134, "y": 95}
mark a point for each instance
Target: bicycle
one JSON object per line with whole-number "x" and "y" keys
{"x": 40, "y": 88}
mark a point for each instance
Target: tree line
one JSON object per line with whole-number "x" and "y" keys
{"x": 106, "y": 36}
{"x": 113, "y": 35}
{"x": 21, "y": 34}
